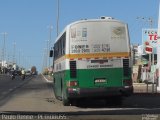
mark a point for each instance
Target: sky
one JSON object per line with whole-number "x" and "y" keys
{"x": 27, "y": 22}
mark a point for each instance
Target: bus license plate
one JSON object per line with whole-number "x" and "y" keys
{"x": 100, "y": 81}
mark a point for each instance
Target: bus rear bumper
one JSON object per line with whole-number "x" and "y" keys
{"x": 99, "y": 92}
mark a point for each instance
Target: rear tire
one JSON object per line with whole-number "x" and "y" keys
{"x": 65, "y": 100}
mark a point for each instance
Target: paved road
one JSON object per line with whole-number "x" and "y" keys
{"x": 36, "y": 99}
{"x": 8, "y": 86}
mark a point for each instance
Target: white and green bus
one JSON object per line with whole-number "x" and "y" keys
{"x": 92, "y": 59}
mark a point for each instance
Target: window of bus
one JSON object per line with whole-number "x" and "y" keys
{"x": 59, "y": 47}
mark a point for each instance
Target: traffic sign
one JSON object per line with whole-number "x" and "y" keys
{"x": 148, "y": 49}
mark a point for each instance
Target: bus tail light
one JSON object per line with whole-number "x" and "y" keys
{"x": 72, "y": 83}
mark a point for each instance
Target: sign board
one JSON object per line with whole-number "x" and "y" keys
{"x": 148, "y": 49}
{"x": 149, "y": 38}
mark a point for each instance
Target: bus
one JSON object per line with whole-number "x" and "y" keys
{"x": 92, "y": 59}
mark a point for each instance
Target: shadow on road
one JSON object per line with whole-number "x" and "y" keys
{"x": 139, "y": 100}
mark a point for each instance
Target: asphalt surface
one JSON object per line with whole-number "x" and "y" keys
{"x": 7, "y": 85}
{"x": 34, "y": 98}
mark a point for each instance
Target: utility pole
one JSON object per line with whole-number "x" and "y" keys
{"x": 14, "y": 52}
{"x": 4, "y": 45}
{"x": 19, "y": 58}
{"x": 151, "y": 55}
{"x": 4, "y": 49}
{"x": 47, "y": 53}
{"x": 49, "y": 43}
{"x": 44, "y": 59}
{"x": 57, "y": 17}
{"x": 150, "y": 20}
{"x": 158, "y": 52}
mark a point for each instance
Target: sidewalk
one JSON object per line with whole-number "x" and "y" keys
{"x": 143, "y": 88}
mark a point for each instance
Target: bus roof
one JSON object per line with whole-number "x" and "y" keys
{"x": 103, "y": 18}
{"x": 108, "y": 19}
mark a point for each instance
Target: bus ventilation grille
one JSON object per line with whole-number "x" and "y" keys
{"x": 126, "y": 69}
{"x": 73, "y": 72}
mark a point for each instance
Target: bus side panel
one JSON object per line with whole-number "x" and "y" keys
{"x": 58, "y": 83}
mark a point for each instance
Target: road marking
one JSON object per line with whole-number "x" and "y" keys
{"x": 46, "y": 78}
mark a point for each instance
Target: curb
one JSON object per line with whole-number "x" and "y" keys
{"x": 46, "y": 79}
{"x": 147, "y": 94}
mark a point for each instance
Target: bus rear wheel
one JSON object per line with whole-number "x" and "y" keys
{"x": 65, "y": 101}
